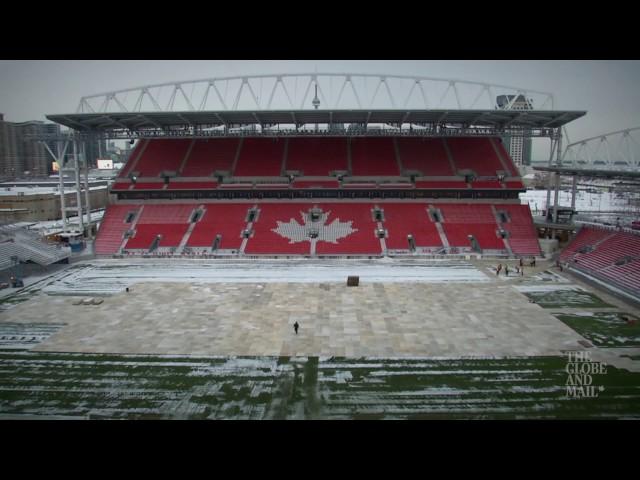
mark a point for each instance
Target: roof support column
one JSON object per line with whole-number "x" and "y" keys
{"x": 76, "y": 171}
{"x": 555, "y": 197}
{"x": 559, "y": 164}
{"x": 549, "y": 182}
{"x": 87, "y": 193}
{"x": 59, "y": 159}
{"x": 574, "y": 188}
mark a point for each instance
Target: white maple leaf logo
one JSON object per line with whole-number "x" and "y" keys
{"x": 319, "y": 229}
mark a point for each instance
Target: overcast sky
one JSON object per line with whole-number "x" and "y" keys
{"x": 607, "y": 90}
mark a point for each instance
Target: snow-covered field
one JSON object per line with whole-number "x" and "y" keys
{"x": 106, "y": 277}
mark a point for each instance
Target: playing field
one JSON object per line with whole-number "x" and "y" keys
{"x": 205, "y": 341}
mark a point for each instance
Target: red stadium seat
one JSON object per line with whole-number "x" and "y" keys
{"x": 349, "y": 227}
{"x": 373, "y": 157}
{"x": 317, "y": 157}
{"x": 161, "y": 155}
{"x": 426, "y": 155}
{"x": 210, "y": 155}
{"x": 477, "y": 154}
{"x": 112, "y": 228}
{"x": 260, "y": 157}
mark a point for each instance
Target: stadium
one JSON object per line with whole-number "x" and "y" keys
{"x": 381, "y": 215}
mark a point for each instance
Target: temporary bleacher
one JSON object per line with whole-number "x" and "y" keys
{"x": 210, "y": 155}
{"x": 476, "y": 154}
{"x": 161, "y": 155}
{"x": 426, "y": 155}
{"x": 28, "y": 247}
{"x": 523, "y": 238}
{"x": 28, "y": 252}
{"x": 7, "y": 250}
{"x": 373, "y": 157}
{"x": 401, "y": 220}
{"x": 317, "y": 156}
{"x": 260, "y": 157}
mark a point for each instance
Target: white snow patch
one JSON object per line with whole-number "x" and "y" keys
{"x": 108, "y": 278}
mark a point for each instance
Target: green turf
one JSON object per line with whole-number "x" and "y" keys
{"x": 566, "y": 299}
{"x": 149, "y": 387}
{"x": 604, "y": 329}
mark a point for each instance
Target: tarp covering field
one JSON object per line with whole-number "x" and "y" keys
{"x": 108, "y": 277}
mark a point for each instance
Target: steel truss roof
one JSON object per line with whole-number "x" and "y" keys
{"x": 506, "y": 120}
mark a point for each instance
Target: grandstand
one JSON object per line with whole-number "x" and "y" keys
{"x": 608, "y": 254}
{"x": 332, "y": 182}
{"x": 466, "y": 182}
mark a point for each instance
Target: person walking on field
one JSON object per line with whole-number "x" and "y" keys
{"x": 498, "y": 269}
{"x": 295, "y": 327}
{"x": 506, "y": 270}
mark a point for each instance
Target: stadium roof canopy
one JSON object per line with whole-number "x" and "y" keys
{"x": 590, "y": 172}
{"x": 496, "y": 119}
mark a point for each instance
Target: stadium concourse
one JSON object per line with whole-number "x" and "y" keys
{"x": 319, "y": 196}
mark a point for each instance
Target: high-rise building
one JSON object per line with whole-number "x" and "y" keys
{"x": 36, "y": 159}
{"x": 21, "y": 155}
{"x": 10, "y": 163}
{"x": 519, "y": 147}
{"x": 94, "y": 149}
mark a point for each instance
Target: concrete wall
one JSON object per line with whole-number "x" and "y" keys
{"x": 548, "y": 246}
{"x": 45, "y": 206}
